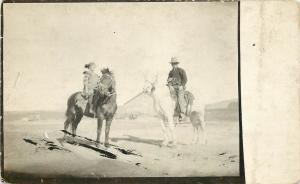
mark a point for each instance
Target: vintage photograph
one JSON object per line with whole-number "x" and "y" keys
{"x": 99, "y": 90}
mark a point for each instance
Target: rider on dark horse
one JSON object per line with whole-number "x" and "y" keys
{"x": 92, "y": 84}
{"x": 102, "y": 97}
{"x": 90, "y": 81}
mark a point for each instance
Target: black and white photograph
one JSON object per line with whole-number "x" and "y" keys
{"x": 121, "y": 89}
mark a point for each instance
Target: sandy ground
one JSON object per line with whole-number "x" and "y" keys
{"x": 219, "y": 157}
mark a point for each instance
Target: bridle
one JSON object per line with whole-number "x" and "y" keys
{"x": 101, "y": 86}
{"x": 152, "y": 87}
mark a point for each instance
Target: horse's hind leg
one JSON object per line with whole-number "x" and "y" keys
{"x": 66, "y": 126}
{"x": 195, "y": 132}
{"x": 202, "y": 129}
{"x": 76, "y": 122}
{"x": 69, "y": 121}
{"x": 171, "y": 129}
{"x": 73, "y": 129}
{"x": 198, "y": 129}
{"x": 175, "y": 120}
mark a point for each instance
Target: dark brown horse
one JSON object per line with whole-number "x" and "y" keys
{"x": 104, "y": 103}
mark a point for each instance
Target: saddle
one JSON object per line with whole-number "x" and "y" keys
{"x": 104, "y": 89}
{"x": 82, "y": 104}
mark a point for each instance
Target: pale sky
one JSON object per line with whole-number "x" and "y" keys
{"x": 48, "y": 44}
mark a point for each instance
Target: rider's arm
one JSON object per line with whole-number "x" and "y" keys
{"x": 169, "y": 76}
{"x": 113, "y": 86}
{"x": 183, "y": 78}
{"x": 86, "y": 72}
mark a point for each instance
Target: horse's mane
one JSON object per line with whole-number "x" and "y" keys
{"x": 106, "y": 71}
{"x": 162, "y": 91}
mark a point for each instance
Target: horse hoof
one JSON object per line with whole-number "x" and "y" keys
{"x": 106, "y": 145}
{"x": 171, "y": 144}
{"x": 165, "y": 143}
{"x": 97, "y": 144}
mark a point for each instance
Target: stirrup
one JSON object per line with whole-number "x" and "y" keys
{"x": 85, "y": 96}
{"x": 182, "y": 117}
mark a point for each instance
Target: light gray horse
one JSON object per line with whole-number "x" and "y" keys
{"x": 166, "y": 107}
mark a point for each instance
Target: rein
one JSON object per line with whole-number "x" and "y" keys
{"x": 107, "y": 95}
{"x": 111, "y": 94}
{"x": 107, "y": 86}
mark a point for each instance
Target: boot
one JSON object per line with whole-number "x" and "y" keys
{"x": 182, "y": 117}
{"x": 91, "y": 109}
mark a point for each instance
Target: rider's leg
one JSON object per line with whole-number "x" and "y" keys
{"x": 181, "y": 101}
{"x": 91, "y": 107}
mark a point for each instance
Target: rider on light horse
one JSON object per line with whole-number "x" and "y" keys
{"x": 177, "y": 79}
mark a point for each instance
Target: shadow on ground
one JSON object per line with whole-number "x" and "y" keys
{"x": 134, "y": 139}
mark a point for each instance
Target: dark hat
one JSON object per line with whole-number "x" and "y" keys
{"x": 174, "y": 61}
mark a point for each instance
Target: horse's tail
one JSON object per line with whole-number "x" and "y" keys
{"x": 189, "y": 97}
{"x": 71, "y": 103}
{"x": 68, "y": 106}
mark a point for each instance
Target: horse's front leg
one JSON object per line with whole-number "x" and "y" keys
{"x": 107, "y": 130}
{"x": 171, "y": 128}
{"x": 172, "y": 132}
{"x": 165, "y": 135}
{"x": 99, "y": 128}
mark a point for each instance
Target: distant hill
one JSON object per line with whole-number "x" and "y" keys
{"x": 225, "y": 104}
{"x": 32, "y": 115}
{"x": 141, "y": 105}
{"x": 224, "y": 110}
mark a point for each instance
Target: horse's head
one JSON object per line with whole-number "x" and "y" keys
{"x": 105, "y": 84}
{"x": 102, "y": 89}
{"x": 149, "y": 87}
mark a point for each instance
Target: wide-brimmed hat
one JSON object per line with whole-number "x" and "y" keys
{"x": 174, "y": 61}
